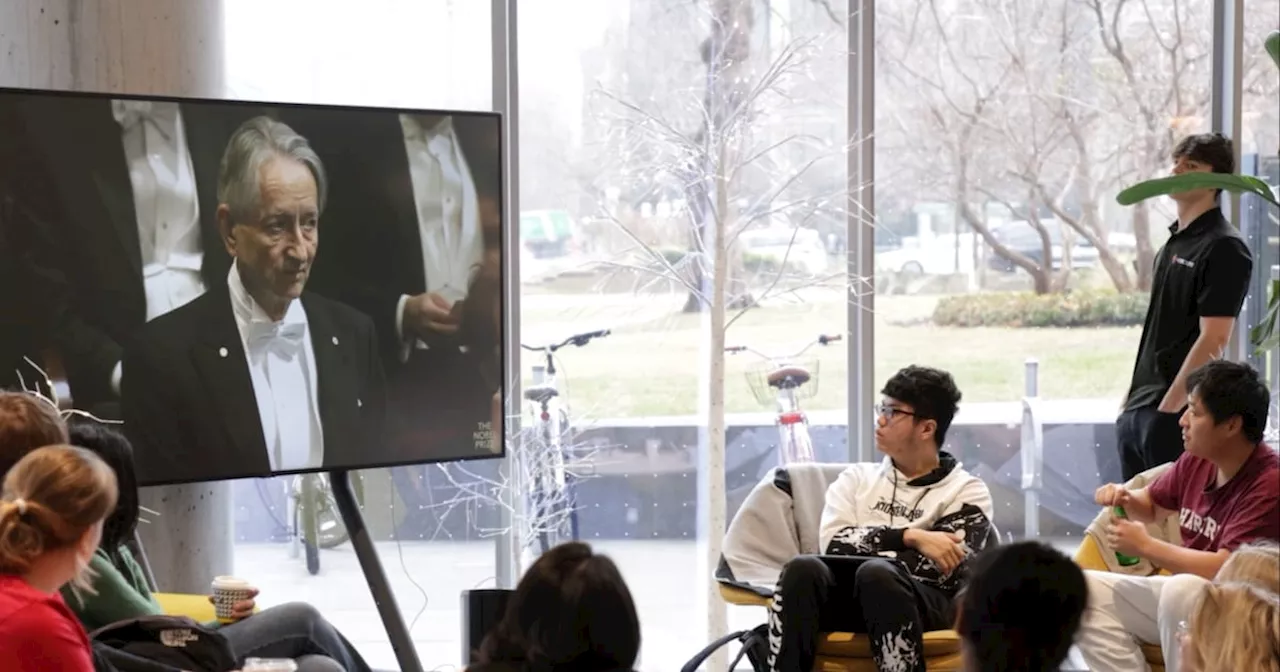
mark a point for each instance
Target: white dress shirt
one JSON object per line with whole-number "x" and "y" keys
{"x": 282, "y": 366}
{"x": 448, "y": 216}
{"x": 165, "y": 204}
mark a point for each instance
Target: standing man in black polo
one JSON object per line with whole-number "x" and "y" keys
{"x": 1201, "y": 278}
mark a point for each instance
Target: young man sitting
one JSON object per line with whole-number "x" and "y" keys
{"x": 1225, "y": 490}
{"x": 896, "y": 536}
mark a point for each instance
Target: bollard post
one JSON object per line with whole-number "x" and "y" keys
{"x": 1032, "y": 449}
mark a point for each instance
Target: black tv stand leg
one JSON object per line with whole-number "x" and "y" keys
{"x": 401, "y": 642}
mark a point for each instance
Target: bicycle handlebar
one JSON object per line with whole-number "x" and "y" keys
{"x": 823, "y": 339}
{"x": 577, "y": 340}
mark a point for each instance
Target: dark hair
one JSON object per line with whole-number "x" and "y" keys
{"x": 1228, "y": 389}
{"x": 27, "y": 421}
{"x": 1212, "y": 149}
{"x": 1021, "y": 608}
{"x": 114, "y": 449}
{"x": 571, "y": 612}
{"x": 931, "y": 393}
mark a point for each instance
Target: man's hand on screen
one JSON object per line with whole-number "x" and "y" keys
{"x": 428, "y": 314}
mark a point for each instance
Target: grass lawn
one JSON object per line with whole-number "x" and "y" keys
{"x": 651, "y": 367}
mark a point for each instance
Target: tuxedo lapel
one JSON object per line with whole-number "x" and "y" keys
{"x": 110, "y": 171}
{"x": 336, "y": 379}
{"x": 404, "y": 203}
{"x": 206, "y": 141}
{"x": 221, "y": 362}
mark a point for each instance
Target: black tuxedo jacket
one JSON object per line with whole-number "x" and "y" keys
{"x": 86, "y": 249}
{"x": 188, "y": 400}
{"x": 371, "y": 251}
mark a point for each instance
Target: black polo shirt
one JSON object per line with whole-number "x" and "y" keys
{"x": 1202, "y": 271}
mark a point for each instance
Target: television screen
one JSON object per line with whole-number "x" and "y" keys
{"x": 255, "y": 289}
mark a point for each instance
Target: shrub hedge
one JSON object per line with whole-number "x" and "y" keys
{"x": 753, "y": 263}
{"x": 1079, "y": 308}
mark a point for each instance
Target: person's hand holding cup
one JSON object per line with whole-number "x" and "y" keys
{"x": 232, "y": 599}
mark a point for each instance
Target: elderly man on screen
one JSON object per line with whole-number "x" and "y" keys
{"x": 257, "y": 375}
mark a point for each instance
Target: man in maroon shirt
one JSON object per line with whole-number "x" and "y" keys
{"x": 1225, "y": 490}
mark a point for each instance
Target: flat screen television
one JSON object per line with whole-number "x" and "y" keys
{"x": 255, "y": 289}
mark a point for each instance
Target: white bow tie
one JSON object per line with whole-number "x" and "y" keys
{"x": 283, "y": 339}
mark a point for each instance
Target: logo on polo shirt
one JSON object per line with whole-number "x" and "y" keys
{"x": 1184, "y": 261}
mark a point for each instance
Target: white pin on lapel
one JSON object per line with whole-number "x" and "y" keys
{"x": 222, "y": 352}
{"x": 335, "y": 340}
{"x": 359, "y": 403}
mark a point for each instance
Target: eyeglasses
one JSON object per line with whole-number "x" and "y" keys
{"x": 887, "y": 412}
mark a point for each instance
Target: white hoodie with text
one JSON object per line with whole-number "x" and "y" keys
{"x": 870, "y": 506}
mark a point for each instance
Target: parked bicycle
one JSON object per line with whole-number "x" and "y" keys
{"x": 542, "y": 459}
{"x": 783, "y": 382}
{"x": 314, "y": 520}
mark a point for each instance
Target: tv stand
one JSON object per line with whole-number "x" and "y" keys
{"x": 401, "y": 642}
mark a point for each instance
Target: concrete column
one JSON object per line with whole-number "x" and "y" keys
{"x": 163, "y": 47}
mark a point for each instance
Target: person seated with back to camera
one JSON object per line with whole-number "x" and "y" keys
{"x": 1256, "y": 563}
{"x": 1021, "y": 609}
{"x": 571, "y": 612}
{"x": 27, "y": 422}
{"x": 915, "y": 518}
{"x": 1225, "y": 490}
{"x": 54, "y": 501}
{"x": 1236, "y": 626}
{"x": 120, "y": 590}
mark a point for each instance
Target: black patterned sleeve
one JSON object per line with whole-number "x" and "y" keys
{"x": 854, "y": 540}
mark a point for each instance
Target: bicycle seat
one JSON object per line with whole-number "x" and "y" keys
{"x": 789, "y": 376}
{"x": 540, "y": 394}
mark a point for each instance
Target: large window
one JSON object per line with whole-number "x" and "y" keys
{"x": 622, "y": 104}
{"x": 432, "y": 526}
{"x": 1004, "y": 131}
{"x": 1260, "y": 155}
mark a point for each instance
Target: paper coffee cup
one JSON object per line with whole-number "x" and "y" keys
{"x": 228, "y": 591}
{"x": 269, "y": 665}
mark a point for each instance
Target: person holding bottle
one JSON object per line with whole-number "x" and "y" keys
{"x": 1225, "y": 491}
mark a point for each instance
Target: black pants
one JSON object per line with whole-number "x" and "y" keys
{"x": 824, "y": 593}
{"x": 1147, "y": 438}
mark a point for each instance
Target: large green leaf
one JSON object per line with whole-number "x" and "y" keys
{"x": 1163, "y": 186}
{"x": 1265, "y": 335}
{"x": 1273, "y": 46}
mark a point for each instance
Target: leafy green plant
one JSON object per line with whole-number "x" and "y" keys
{"x": 1174, "y": 184}
{"x": 1265, "y": 336}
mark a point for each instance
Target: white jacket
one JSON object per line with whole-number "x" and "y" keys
{"x": 871, "y": 505}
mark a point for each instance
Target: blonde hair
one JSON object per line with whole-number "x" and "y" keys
{"x": 1257, "y": 563}
{"x": 1236, "y": 626}
{"x": 52, "y": 497}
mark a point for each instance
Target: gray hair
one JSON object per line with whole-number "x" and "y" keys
{"x": 257, "y": 140}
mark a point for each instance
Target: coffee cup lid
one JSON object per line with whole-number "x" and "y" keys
{"x": 269, "y": 665}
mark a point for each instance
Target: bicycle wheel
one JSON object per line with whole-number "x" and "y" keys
{"x": 550, "y": 515}
{"x": 318, "y": 507}
{"x": 796, "y": 445}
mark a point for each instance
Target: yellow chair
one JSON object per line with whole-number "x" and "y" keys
{"x": 851, "y": 652}
{"x": 196, "y": 607}
{"x": 837, "y": 651}
{"x": 1090, "y": 555}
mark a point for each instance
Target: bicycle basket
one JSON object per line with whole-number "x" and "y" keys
{"x": 767, "y": 378}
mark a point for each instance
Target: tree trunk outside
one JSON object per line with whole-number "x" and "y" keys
{"x": 1146, "y": 253}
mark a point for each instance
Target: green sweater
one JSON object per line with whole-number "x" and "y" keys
{"x": 122, "y": 592}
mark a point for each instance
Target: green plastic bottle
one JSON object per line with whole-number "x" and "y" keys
{"x": 1124, "y": 560}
